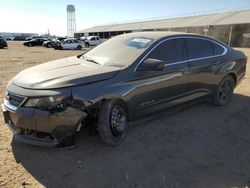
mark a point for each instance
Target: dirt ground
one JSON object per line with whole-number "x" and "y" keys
{"x": 199, "y": 146}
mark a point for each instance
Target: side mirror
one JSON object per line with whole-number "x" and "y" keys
{"x": 152, "y": 64}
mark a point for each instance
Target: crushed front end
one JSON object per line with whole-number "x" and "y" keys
{"x": 43, "y": 120}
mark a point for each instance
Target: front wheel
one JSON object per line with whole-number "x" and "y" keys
{"x": 112, "y": 122}
{"x": 30, "y": 45}
{"x": 224, "y": 91}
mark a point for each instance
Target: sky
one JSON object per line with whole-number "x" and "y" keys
{"x": 37, "y": 16}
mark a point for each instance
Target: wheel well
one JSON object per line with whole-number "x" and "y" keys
{"x": 118, "y": 99}
{"x": 97, "y": 105}
{"x": 234, "y": 77}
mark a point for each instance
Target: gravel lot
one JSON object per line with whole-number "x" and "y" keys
{"x": 199, "y": 146}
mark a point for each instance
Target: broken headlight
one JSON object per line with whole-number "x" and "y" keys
{"x": 43, "y": 102}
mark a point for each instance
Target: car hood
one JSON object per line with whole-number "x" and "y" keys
{"x": 63, "y": 73}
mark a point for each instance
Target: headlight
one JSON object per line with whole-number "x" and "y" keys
{"x": 45, "y": 101}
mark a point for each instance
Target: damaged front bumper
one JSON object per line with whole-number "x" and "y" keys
{"x": 42, "y": 127}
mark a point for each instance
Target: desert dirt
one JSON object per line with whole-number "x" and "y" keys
{"x": 199, "y": 146}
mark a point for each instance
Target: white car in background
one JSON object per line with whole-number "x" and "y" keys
{"x": 92, "y": 41}
{"x": 70, "y": 44}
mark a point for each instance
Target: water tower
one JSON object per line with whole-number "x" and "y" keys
{"x": 71, "y": 20}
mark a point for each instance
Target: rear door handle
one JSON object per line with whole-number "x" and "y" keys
{"x": 184, "y": 68}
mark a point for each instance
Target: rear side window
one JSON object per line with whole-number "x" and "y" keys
{"x": 199, "y": 48}
{"x": 170, "y": 51}
{"x": 218, "y": 50}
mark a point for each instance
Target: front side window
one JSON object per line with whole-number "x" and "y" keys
{"x": 199, "y": 48}
{"x": 170, "y": 51}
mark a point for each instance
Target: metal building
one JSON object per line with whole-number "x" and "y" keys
{"x": 232, "y": 27}
{"x": 71, "y": 20}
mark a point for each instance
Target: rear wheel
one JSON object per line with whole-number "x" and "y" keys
{"x": 30, "y": 45}
{"x": 79, "y": 47}
{"x": 49, "y": 46}
{"x": 224, "y": 91}
{"x": 112, "y": 122}
{"x": 86, "y": 44}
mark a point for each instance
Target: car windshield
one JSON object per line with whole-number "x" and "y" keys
{"x": 89, "y": 38}
{"x": 119, "y": 51}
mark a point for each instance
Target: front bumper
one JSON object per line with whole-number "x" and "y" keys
{"x": 41, "y": 127}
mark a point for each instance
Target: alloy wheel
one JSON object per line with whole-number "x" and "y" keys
{"x": 225, "y": 91}
{"x": 118, "y": 120}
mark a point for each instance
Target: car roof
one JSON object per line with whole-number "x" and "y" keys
{"x": 158, "y": 34}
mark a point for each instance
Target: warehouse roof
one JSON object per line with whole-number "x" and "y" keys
{"x": 225, "y": 18}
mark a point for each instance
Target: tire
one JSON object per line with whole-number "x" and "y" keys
{"x": 79, "y": 47}
{"x": 30, "y": 45}
{"x": 112, "y": 122}
{"x": 60, "y": 48}
{"x": 86, "y": 44}
{"x": 224, "y": 91}
{"x": 1, "y": 46}
{"x": 49, "y": 46}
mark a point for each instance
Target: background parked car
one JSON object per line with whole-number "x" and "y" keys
{"x": 70, "y": 44}
{"x": 3, "y": 43}
{"x": 34, "y": 42}
{"x": 8, "y": 38}
{"x": 92, "y": 41}
{"x": 52, "y": 43}
{"x": 19, "y": 38}
{"x": 83, "y": 38}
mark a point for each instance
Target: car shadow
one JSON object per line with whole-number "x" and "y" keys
{"x": 199, "y": 146}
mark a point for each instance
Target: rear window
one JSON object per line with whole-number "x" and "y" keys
{"x": 199, "y": 48}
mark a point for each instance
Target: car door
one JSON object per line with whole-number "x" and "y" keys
{"x": 98, "y": 40}
{"x": 66, "y": 44}
{"x": 72, "y": 45}
{"x": 158, "y": 89}
{"x": 35, "y": 42}
{"x": 205, "y": 56}
{"x": 92, "y": 41}
{"x": 41, "y": 41}
{"x": 77, "y": 43}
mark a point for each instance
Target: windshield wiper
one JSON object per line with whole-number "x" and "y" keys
{"x": 92, "y": 60}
